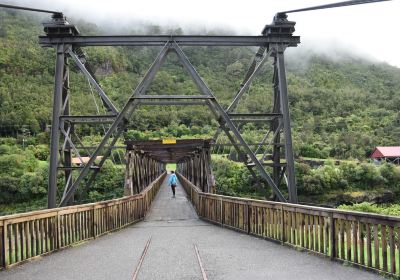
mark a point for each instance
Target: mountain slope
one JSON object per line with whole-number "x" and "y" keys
{"x": 339, "y": 108}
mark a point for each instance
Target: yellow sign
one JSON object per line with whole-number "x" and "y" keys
{"x": 169, "y": 141}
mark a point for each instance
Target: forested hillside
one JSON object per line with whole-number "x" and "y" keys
{"x": 340, "y": 108}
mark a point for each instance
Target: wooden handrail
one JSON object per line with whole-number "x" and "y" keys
{"x": 366, "y": 240}
{"x": 256, "y": 202}
{"x": 28, "y": 235}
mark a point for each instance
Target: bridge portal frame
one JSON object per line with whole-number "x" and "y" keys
{"x": 65, "y": 38}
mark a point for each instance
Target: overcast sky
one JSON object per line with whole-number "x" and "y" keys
{"x": 370, "y": 30}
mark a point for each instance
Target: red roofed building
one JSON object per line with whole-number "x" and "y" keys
{"x": 391, "y": 154}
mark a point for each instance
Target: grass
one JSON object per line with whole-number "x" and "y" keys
{"x": 380, "y": 255}
{"x": 22, "y": 207}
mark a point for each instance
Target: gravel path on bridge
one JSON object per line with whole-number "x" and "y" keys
{"x": 174, "y": 229}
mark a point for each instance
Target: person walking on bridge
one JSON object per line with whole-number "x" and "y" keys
{"x": 172, "y": 182}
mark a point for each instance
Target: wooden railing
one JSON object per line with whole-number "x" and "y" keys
{"x": 367, "y": 240}
{"x": 28, "y": 235}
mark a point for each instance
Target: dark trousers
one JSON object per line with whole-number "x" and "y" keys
{"x": 173, "y": 186}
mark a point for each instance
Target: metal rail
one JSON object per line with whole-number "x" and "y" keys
{"x": 139, "y": 265}
{"x": 203, "y": 271}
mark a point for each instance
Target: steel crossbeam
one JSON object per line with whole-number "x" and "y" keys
{"x": 184, "y": 40}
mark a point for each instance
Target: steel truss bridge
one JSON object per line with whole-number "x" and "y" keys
{"x": 68, "y": 44}
{"x": 363, "y": 240}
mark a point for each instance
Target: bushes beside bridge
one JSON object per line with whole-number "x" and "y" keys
{"x": 385, "y": 209}
{"x": 109, "y": 183}
{"x": 24, "y": 178}
{"x": 347, "y": 176}
{"x": 233, "y": 178}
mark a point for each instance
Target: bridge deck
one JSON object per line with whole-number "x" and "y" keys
{"x": 175, "y": 229}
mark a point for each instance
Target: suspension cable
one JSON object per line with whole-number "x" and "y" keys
{"x": 28, "y": 9}
{"x": 104, "y": 128}
{"x": 334, "y": 5}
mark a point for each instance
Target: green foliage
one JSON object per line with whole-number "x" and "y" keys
{"x": 21, "y": 176}
{"x": 347, "y": 176}
{"x": 109, "y": 182}
{"x": 313, "y": 151}
{"x": 340, "y": 109}
{"x": 21, "y": 207}
{"x": 95, "y": 196}
{"x": 24, "y": 176}
{"x": 8, "y": 141}
{"x": 41, "y": 152}
{"x": 17, "y": 164}
{"x": 5, "y": 150}
{"x": 9, "y": 187}
{"x": 387, "y": 209}
{"x": 32, "y": 184}
{"x": 233, "y": 178}
{"x": 348, "y": 182}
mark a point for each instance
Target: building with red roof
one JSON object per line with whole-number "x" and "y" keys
{"x": 391, "y": 154}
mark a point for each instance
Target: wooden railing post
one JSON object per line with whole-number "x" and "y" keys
{"x": 332, "y": 237}
{"x": 200, "y": 204}
{"x": 222, "y": 212}
{"x": 248, "y": 216}
{"x": 4, "y": 247}
{"x": 283, "y": 239}
{"x": 58, "y": 231}
{"x": 92, "y": 223}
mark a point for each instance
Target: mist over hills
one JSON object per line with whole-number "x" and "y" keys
{"x": 341, "y": 105}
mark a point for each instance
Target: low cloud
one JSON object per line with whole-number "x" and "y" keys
{"x": 364, "y": 31}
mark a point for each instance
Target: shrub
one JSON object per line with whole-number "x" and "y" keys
{"x": 32, "y": 184}
{"x": 232, "y": 178}
{"x": 110, "y": 181}
{"x": 8, "y": 141}
{"x": 391, "y": 174}
{"x": 312, "y": 184}
{"x": 9, "y": 189}
{"x": 308, "y": 150}
{"x": 5, "y": 149}
{"x": 390, "y": 209}
{"x": 41, "y": 152}
{"x": 95, "y": 196}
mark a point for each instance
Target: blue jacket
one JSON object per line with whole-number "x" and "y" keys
{"x": 172, "y": 179}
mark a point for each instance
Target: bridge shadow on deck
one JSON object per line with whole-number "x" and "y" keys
{"x": 174, "y": 229}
